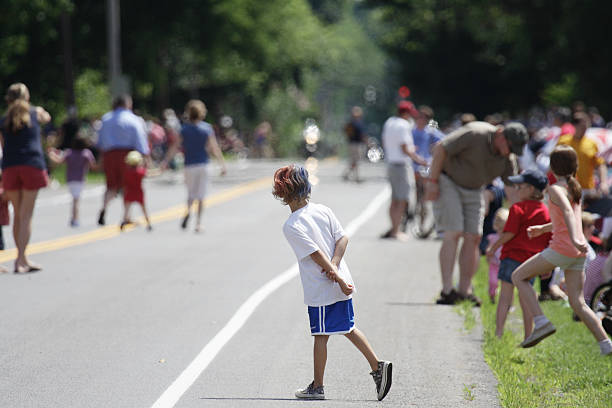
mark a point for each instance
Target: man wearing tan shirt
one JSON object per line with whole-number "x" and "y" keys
{"x": 463, "y": 163}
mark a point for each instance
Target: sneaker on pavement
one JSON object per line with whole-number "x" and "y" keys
{"x": 382, "y": 378}
{"x": 539, "y": 334}
{"x": 311, "y": 392}
{"x": 449, "y": 298}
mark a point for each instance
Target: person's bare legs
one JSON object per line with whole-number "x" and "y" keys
{"x": 109, "y": 195}
{"x": 527, "y": 318}
{"x": 126, "y": 214}
{"x": 14, "y": 196}
{"x": 534, "y": 266}
{"x": 574, "y": 281}
{"x": 468, "y": 261}
{"x": 146, "y": 216}
{"x": 200, "y": 204}
{"x": 23, "y": 206}
{"x": 75, "y": 210}
{"x": 361, "y": 342}
{"x": 447, "y": 257}
{"x": 504, "y": 303}
{"x": 187, "y": 213}
{"x": 396, "y": 212}
{"x": 320, "y": 358}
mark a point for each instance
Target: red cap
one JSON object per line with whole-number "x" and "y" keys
{"x": 406, "y": 106}
{"x": 596, "y": 240}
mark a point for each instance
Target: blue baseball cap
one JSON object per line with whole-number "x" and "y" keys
{"x": 534, "y": 177}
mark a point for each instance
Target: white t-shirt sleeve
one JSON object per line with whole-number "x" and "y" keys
{"x": 407, "y": 135}
{"x": 336, "y": 229}
{"x": 299, "y": 241}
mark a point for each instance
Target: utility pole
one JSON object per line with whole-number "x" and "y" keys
{"x": 69, "y": 98}
{"x": 118, "y": 83}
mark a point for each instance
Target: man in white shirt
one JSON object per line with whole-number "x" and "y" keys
{"x": 399, "y": 150}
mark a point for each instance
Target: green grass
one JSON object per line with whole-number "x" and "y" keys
{"x": 58, "y": 173}
{"x": 565, "y": 370}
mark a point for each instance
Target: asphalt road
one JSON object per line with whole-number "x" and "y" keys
{"x": 168, "y": 317}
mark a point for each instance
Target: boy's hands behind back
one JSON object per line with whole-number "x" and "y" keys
{"x": 332, "y": 274}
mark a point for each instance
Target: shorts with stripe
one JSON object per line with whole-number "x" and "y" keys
{"x": 337, "y": 318}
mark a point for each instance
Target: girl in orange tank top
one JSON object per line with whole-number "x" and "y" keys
{"x": 567, "y": 250}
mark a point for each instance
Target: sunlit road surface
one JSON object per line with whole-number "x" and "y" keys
{"x": 174, "y": 318}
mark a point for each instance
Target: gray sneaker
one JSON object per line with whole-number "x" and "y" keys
{"x": 382, "y": 378}
{"x": 539, "y": 334}
{"x": 311, "y": 392}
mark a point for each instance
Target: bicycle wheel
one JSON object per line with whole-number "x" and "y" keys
{"x": 601, "y": 302}
{"x": 423, "y": 224}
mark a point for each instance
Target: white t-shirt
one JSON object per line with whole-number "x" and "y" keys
{"x": 309, "y": 229}
{"x": 397, "y": 132}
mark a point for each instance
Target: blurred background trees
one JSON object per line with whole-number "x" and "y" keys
{"x": 288, "y": 60}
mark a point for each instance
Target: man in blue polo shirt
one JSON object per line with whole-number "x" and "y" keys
{"x": 122, "y": 131}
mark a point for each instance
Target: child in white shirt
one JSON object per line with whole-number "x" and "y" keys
{"x": 319, "y": 242}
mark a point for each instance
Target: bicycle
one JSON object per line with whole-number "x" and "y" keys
{"x": 420, "y": 215}
{"x": 601, "y": 304}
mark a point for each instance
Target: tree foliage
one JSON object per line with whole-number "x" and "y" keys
{"x": 283, "y": 60}
{"x": 487, "y": 56}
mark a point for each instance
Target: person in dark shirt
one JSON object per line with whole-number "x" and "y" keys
{"x": 24, "y": 171}
{"x": 356, "y": 137}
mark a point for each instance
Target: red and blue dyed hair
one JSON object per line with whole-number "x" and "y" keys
{"x": 291, "y": 183}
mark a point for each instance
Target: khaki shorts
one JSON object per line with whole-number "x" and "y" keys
{"x": 458, "y": 208}
{"x": 401, "y": 178}
{"x": 564, "y": 262}
{"x": 356, "y": 152}
{"x": 197, "y": 180}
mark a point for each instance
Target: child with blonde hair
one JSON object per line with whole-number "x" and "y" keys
{"x": 319, "y": 242}
{"x": 516, "y": 246}
{"x": 493, "y": 259}
{"x": 133, "y": 192}
{"x": 567, "y": 250}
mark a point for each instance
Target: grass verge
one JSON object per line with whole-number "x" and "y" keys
{"x": 565, "y": 370}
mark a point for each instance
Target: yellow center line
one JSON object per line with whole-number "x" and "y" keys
{"x": 112, "y": 231}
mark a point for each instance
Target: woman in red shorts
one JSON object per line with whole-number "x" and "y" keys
{"x": 23, "y": 165}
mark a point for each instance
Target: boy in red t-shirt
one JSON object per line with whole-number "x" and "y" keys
{"x": 132, "y": 187}
{"x": 517, "y": 247}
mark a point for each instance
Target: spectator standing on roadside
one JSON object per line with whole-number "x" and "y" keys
{"x": 357, "y": 139}
{"x": 588, "y": 156}
{"x": 399, "y": 150}
{"x": 121, "y": 132}
{"x": 493, "y": 196}
{"x": 23, "y": 166}
{"x": 463, "y": 163}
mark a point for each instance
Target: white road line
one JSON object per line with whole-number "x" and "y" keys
{"x": 176, "y": 390}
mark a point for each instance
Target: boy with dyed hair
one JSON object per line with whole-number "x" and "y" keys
{"x": 319, "y": 243}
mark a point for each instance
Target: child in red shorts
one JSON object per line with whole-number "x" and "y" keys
{"x": 132, "y": 184}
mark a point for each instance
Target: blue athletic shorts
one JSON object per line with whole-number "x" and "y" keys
{"x": 337, "y": 318}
